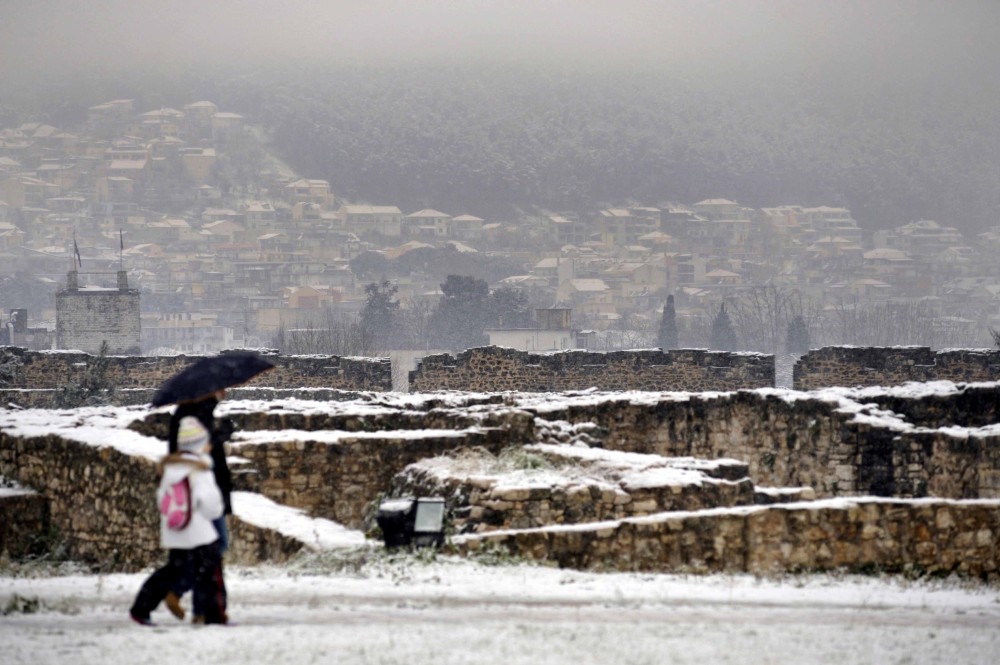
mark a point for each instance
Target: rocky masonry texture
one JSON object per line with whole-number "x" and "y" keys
{"x": 797, "y": 439}
{"x": 24, "y": 524}
{"x": 890, "y": 366}
{"x": 102, "y": 504}
{"x": 335, "y": 459}
{"x": 495, "y": 368}
{"x": 563, "y": 488}
{"x": 929, "y": 536}
{"x": 88, "y": 318}
{"x": 339, "y": 481}
{"x": 40, "y": 370}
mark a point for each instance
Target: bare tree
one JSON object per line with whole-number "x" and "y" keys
{"x": 762, "y": 314}
{"x": 330, "y": 334}
{"x": 414, "y": 319}
{"x": 693, "y": 330}
{"x": 628, "y": 332}
{"x": 882, "y": 324}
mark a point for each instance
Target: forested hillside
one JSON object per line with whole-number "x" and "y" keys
{"x": 486, "y": 139}
{"x": 489, "y": 139}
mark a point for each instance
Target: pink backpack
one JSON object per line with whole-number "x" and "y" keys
{"x": 176, "y": 505}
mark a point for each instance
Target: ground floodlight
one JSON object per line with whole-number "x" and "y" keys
{"x": 408, "y": 521}
{"x": 428, "y": 522}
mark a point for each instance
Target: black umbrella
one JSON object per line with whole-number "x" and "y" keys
{"x": 208, "y": 375}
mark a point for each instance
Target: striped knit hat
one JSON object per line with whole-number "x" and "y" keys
{"x": 191, "y": 435}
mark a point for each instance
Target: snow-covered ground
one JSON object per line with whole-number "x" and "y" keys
{"x": 374, "y": 608}
{"x": 354, "y": 604}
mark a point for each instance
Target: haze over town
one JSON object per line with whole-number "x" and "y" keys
{"x": 399, "y": 178}
{"x": 255, "y": 167}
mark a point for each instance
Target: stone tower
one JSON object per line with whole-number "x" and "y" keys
{"x": 89, "y": 315}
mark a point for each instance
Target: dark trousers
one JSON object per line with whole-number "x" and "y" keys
{"x": 184, "y": 583}
{"x": 203, "y": 567}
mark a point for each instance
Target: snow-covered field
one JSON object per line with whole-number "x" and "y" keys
{"x": 364, "y": 606}
{"x": 375, "y": 608}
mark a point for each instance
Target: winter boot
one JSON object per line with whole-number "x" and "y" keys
{"x": 173, "y": 603}
{"x": 141, "y": 620}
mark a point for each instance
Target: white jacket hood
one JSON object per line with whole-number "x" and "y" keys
{"x": 206, "y": 500}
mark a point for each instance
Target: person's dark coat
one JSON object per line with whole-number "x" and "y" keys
{"x": 204, "y": 410}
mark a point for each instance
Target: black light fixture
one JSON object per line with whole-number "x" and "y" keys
{"x": 409, "y": 521}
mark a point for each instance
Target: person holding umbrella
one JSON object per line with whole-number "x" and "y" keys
{"x": 189, "y": 503}
{"x": 197, "y": 390}
{"x": 204, "y": 410}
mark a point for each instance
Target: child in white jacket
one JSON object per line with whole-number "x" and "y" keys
{"x": 189, "y": 500}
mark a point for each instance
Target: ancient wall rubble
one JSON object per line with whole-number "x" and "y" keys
{"x": 335, "y": 459}
{"x": 608, "y": 510}
{"x": 493, "y": 368}
{"x": 338, "y": 477}
{"x": 102, "y": 501}
{"x": 24, "y": 523}
{"x": 840, "y": 442}
{"x": 101, "y": 504}
{"x": 544, "y": 484}
{"x": 917, "y": 537}
{"x": 890, "y": 366}
{"x": 40, "y": 370}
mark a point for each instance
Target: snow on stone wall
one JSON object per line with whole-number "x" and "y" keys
{"x": 495, "y": 368}
{"x": 889, "y": 366}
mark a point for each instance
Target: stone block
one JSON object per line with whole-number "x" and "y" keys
{"x": 644, "y": 507}
{"x": 511, "y": 494}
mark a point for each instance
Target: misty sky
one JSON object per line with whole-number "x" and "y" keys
{"x": 39, "y": 37}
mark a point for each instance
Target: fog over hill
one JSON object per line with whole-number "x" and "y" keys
{"x": 889, "y": 108}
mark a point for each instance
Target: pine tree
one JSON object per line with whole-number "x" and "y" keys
{"x": 461, "y": 315}
{"x": 722, "y": 337}
{"x": 508, "y": 308}
{"x": 667, "y": 338}
{"x": 797, "y": 338}
{"x": 378, "y": 318}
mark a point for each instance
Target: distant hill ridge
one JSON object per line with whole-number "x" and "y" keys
{"x": 493, "y": 139}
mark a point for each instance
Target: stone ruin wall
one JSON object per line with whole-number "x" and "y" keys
{"x": 805, "y": 443}
{"x": 104, "y": 501}
{"x": 44, "y": 370}
{"x": 43, "y": 399}
{"x": 100, "y": 505}
{"x": 493, "y": 368}
{"x": 340, "y": 481}
{"x": 101, "y": 501}
{"x": 890, "y": 366}
{"x": 922, "y": 537}
{"x": 486, "y": 501}
{"x": 25, "y": 525}
{"x": 808, "y": 442}
{"x": 695, "y": 370}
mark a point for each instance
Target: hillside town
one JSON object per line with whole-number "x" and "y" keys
{"x": 227, "y": 247}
